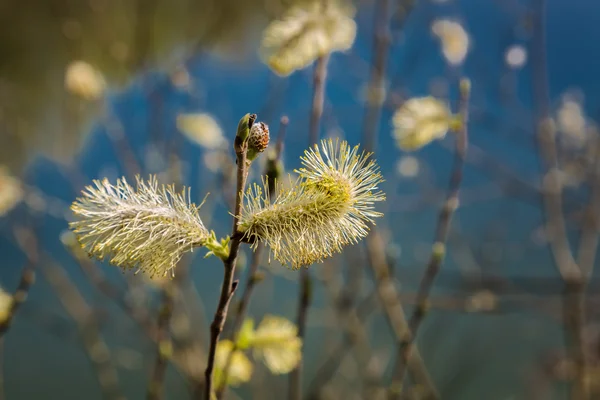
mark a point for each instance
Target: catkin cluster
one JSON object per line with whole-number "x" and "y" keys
{"x": 147, "y": 229}
{"x": 328, "y": 207}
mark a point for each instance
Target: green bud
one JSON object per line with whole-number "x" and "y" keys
{"x": 438, "y": 251}
{"x": 216, "y": 248}
{"x": 465, "y": 86}
{"x": 244, "y": 126}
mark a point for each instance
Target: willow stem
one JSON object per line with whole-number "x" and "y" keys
{"x": 229, "y": 286}
{"x": 439, "y": 247}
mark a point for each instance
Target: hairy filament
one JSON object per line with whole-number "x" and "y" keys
{"x": 147, "y": 229}
{"x": 326, "y": 208}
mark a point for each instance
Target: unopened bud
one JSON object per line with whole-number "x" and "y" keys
{"x": 258, "y": 141}
{"x": 244, "y": 126}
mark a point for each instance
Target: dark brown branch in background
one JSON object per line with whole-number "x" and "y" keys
{"x": 333, "y": 361}
{"x": 318, "y": 99}
{"x": 342, "y": 296}
{"x": 391, "y": 303}
{"x": 381, "y": 44}
{"x": 138, "y": 314}
{"x": 556, "y": 230}
{"x": 164, "y": 345}
{"x": 305, "y": 290}
{"x": 375, "y": 246}
{"x": 87, "y": 324}
{"x": 439, "y": 246}
{"x": 229, "y": 285}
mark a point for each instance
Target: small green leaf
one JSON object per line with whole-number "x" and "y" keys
{"x": 243, "y": 129}
{"x": 216, "y": 248}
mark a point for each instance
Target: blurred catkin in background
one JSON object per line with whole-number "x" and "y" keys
{"x": 57, "y": 55}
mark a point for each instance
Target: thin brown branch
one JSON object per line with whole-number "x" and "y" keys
{"x": 229, "y": 286}
{"x": 240, "y": 313}
{"x": 439, "y": 246}
{"x": 253, "y": 277}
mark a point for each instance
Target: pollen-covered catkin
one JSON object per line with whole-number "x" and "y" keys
{"x": 147, "y": 229}
{"x": 327, "y": 207}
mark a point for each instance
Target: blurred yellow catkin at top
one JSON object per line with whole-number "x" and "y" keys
{"x": 419, "y": 121}
{"x": 454, "y": 40}
{"x": 83, "y": 80}
{"x": 306, "y": 32}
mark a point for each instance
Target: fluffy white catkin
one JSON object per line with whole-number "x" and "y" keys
{"x": 147, "y": 229}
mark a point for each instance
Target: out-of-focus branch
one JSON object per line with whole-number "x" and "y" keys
{"x": 556, "y": 230}
{"x": 164, "y": 347}
{"x": 439, "y": 246}
{"x": 355, "y": 335}
{"x": 84, "y": 316}
{"x": 375, "y": 248}
{"x": 392, "y": 306}
{"x": 229, "y": 285}
{"x": 305, "y": 290}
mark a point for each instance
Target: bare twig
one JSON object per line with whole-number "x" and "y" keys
{"x": 229, "y": 285}
{"x": 439, "y": 246}
{"x": 240, "y": 313}
{"x": 253, "y": 276}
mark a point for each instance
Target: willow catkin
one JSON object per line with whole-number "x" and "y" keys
{"x": 328, "y": 207}
{"x": 147, "y": 229}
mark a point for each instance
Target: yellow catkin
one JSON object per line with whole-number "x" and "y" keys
{"x": 328, "y": 207}
{"x": 147, "y": 229}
